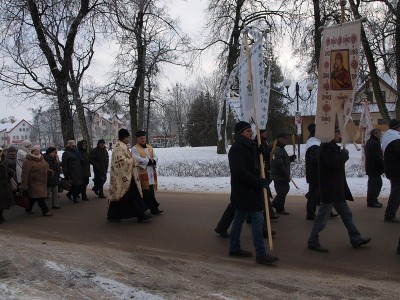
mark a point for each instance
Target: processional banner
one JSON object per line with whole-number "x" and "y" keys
{"x": 337, "y": 80}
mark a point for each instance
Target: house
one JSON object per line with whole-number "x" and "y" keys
{"x": 13, "y": 132}
{"x": 365, "y": 93}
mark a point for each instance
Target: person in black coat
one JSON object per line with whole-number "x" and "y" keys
{"x": 99, "y": 159}
{"x": 391, "y": 159}
{"x": 247, "y": 194}
{"x": 52, "y": 160}
{"x": 280, "y": 173}
{"x": 85, "y": 161}
{"x": 72, "y": 169}
{"x": 334, "y": 191}
{"x": 374, "y": 167}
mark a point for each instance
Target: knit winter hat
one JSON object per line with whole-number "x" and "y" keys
{"x": 140, "y": 133}
{"x": 123, "y": 133}
{"x": 50, "y": 150}
{"x": 241, "y": 126}
{"x": 36, "y": 147}
{"x": 393, "y": 124}
{"x": 27, "y": 144}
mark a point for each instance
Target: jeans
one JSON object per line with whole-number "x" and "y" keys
{"x": 281, "y": 189}
{"x": 322, "y": 218}
{"x": 257, "y": 221}
{"x": 52, "y": 193}
{"x": 374, "y": 188}
{"x": 394, "y": 199}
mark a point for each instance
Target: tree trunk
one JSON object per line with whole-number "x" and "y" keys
{"x": 317, "y": 34}
{"x": 397, "y": 55}
{"x": 372, "y": 67}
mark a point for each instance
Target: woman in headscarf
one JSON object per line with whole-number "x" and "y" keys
{"x": 53, "y": 161}
{"x": 6, "y": 196}
{"x": 34, "y": 180}
{"x": 125, "y": 194}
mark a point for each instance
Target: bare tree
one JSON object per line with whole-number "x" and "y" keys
{"x": 148, "y": 38}
{"x": 39, "y": 40}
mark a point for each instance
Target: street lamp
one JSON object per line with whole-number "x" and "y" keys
{"x": 298, "y": 120}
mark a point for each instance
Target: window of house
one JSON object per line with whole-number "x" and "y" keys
{"x": 381, "y": 122}
{"x": 20, "y": 129}
{"x": 23, "y": 124}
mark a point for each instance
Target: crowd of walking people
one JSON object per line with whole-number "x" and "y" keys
{"x": 26, "y": 172}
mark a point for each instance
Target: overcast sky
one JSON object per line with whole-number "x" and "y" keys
{"x": 191, "y": 14}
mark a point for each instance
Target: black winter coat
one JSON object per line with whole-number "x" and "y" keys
{"x": 312, "y": 165}
{"x": 373, "y": 157}
{"x": 6, "y": 195}
{"x": 54, "y": 164}
{"x": 246, "y": 185}
{"x": 332, "y": 179}
{"x": 392, "y": 160}
{"x": 280, "y": 164}
{"x": 99, "y": 159}
{"x": 85, "y": 161}
{"x": 72, "y": 167}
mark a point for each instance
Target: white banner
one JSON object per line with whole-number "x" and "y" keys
{"x": 337, "y": 79}
{"x": 366, "y": 125}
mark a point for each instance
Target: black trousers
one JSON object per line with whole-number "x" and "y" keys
{"x": 149, "y": 199}
{"x": 374, "y": 188}
{"x": 394, "y": 199}
{"x": 41, "y": 202}
{"x": 281, "y": 189}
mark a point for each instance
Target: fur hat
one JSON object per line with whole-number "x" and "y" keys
{"x": 241, "y": 126}
{"x": 140, "y": 133}
{"x": 393, "y": 124}
{"x": 27, "y": 144}
{"x": 123, "y": 133}
{"x": 101, "y": 141}
{"x": 36, "y": 147}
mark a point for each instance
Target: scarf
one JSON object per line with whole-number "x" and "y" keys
{"x": 312, "y": 141}
{"x": 123, "y": 170}
{"x": 144, "y": 173}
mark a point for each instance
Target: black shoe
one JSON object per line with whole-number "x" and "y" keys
{"x": 144, "y": 218}
{"x": 333, "y": 215}
{"x": 282, "y": 212}
{"x": 265, "y": 235}
{"x": 56, "y": 207}
{"x": 374, "y": 204}
{"x": 69, "y": 196}
{"x": 240, "y": 253}
{"x": 222, "y": 233}
{"x": 318, "y": 248}
{"x": 95, "y": 190}
{"x": 101, "y": 196}
{"x": 274, "y": 217}
{"x": 114, "y": 220}
{"x": 85, "y": 199}
{"x": 392, "y": 220}
{"x": 362, "y": 241}
{"x": 266, "y": 259}
{"x": 75, "y": 201}
{"x": 311, "y": 218}
{"x": 157, "y": 212}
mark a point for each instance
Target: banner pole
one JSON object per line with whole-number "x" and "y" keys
{"x": 262, "y": 170}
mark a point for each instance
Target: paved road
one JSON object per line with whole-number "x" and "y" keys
{"x": 187, "y": 228}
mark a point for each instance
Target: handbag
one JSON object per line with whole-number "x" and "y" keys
{"x": 22, "y": 199}
{"x": 14, "y": 185}
{"x": 65, "y": 184}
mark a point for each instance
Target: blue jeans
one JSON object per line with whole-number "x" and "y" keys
{"x": 257, "y": 221}
{"x": 322, "y": 218}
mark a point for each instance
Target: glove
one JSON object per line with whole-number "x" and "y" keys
{"x": 154, "y": 162}
{"x": 293, "y": 157}
{"x": 150, "y": 163}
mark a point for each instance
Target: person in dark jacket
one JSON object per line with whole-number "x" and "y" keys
{"x": 311, "y": 160}
{"x": 374, "y": 167}
{"x": 85, "y": 161}
{"x": 99, "y": 159}
{"x": 334, "y": 192}
{"x": 280, "y": 173}
{"x": 72, "y": 169}
{"x": 52, "y": 160}
{"x": 246, "y": 194}
{"x": 6, "y": 195}
{"x": 391, "y": 160}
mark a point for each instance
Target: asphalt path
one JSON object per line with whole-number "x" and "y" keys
{"x": 187, "y": 229}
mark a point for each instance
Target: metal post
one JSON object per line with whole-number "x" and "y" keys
{"x": 298, "y": 135}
